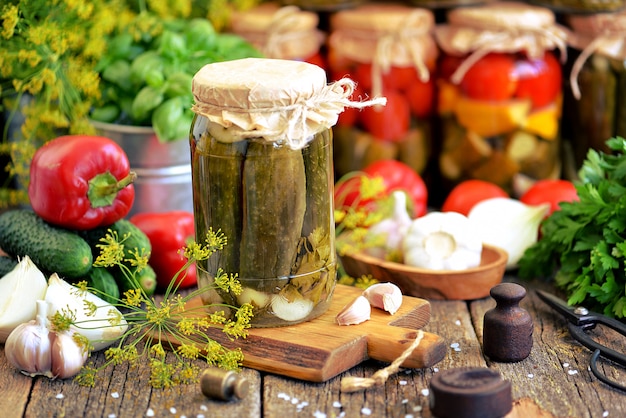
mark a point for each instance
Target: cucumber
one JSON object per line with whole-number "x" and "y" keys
{"x": 51, "y": 248}
{"x": 145, "y": 279}
{"x": 101, "y": 279}
{"x": 7, "y": 264}
{"x": 136, "y": 240}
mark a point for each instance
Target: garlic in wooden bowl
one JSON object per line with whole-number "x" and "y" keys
{"x": 468, "y": 284}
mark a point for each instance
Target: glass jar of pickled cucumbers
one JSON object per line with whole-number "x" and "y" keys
{"x": 596, "y": 107}
{"x": 281, "y": 32}
{"x": 389, "y": 50}
{"x": 261, "y": 157}
{"x": 500, "y": 95}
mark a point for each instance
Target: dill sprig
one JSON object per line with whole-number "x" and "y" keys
{"x": 156, "y": 326}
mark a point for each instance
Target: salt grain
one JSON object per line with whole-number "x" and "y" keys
{"x": 454, "y": 345}
{"x": 458, "y": 322}
{"x": 403, "y": 382}
{"x": 115, "y": 395}
{"x": 530, "y": 375}
{"x": 425, "y": 392}
{"x": 319, "y": 414}
{"x": 284, "y": 396}
{"x": 408, "y": 416}
{"x": 112, "y": 416}
{"x": 204, "y": 408}
{"x": 150, "y": 412}
{"x": 417, "y": 408}
{"x": 566, "y": 365}
{"x": 294, "y": 400}
{"x": 605, "y": 414}
{"x": 172, "y": 410}
{"x": 200, "y": 416}
{"x": 572, "y": 372}
{"x": 337, "y": 404}
{"x": 60, "y": 396}
{"x": 366, "y": 411}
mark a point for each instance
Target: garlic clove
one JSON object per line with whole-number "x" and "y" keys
{"x": 67, "y": 356}
{"x": 356, "y": 312}
{"x": 291, "y": 311}
{"x": 27, "y": 347}
{"x": 386, "y": 296}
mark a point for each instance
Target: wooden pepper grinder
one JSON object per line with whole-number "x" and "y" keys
{"x": 507, "y": 328}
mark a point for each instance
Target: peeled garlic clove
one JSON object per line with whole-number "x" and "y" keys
{"x": 27, "y": 347}
{"x": 68, "y": 356}
{"x": 386, "y": 296}
{"x": 291, "y": 311}
{"x": 359, "y": 310}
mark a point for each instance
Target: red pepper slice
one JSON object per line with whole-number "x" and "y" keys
{"x": 169, "y": 232}
{"x": 81, "y": 182}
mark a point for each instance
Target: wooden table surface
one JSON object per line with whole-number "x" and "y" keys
{"x": 554, "y": 381}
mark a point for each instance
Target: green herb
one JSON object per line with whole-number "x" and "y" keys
{"x": 583, "y": 245}
{"x": 153, "y": 325}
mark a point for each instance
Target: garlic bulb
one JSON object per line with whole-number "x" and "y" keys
{"x": 19, "y": 291}
{"x": 509, "y": 224}
{"x": 385, "y": 296}
{"x": 357, "y": 311}
{"x": 35, "y": 350}
{"x": 392, "y": 229}
{"x": 442, "y": 241}
{"x": 102, "y": 327}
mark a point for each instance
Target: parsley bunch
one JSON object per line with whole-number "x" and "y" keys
{"x": 583, "y": 245}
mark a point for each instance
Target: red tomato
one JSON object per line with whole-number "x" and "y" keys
{"x": 399, "y": 176}
{"x": 491, "y": 78}
{"x": 390, "y": 122}
{"x": 448, "y": 65}
{"x": 551, "y": 191}
{"x": 317, "y": 59}
{"x": 397, "y": 78}
{"x": 539, "y": 80}
{"x": 421, "y": 98}
{"x": 468, "y": 193}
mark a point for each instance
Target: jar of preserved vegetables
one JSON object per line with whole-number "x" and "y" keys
{"x": 582, "y": 6}
{"x": 388, "y": 50}
{"x": 500, "y": 95}
{"x": 281, "y": 32}
{"x": 596, "y": 108}
{"x": 262, "y": 174}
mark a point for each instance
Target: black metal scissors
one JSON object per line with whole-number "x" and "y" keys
{"x": 579, "y": 320}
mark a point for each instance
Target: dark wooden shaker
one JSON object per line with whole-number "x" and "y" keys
{"x": 507, "y": 328}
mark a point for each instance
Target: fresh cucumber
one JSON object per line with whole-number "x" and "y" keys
{"x": 7, "y": 264}
{"x": 136, "y": 239}
{"x": 51, "y": 248}
{"x": 144, "y": 279}
{"x": 101, "y": 279}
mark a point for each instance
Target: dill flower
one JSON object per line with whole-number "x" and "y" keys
{"x": 170, "y": 324}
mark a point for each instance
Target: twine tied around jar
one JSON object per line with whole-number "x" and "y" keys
{"x": 355, "y": 384}
{"x": 386, "y": 37}
{"x": 281, "y": 30}
{"x": 268, "y": 106}
{"x": 484, "y": 30}
{"x": 607, "y": 40}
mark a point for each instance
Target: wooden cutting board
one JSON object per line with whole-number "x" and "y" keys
{"x": 321, "y": 349}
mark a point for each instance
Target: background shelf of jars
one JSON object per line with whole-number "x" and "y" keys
{"x": 509, "y": 92}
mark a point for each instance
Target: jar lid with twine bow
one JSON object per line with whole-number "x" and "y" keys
{"x": 602, "y": 33}
{"x": 279, "y": 32}
{"x": 385, "y": 35}
{"x": 504, "y": 27}
{"x": 284, "y": 102}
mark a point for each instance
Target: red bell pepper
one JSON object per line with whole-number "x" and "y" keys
{"x": 169, "y": 233}
{"x": 81, "y": 182}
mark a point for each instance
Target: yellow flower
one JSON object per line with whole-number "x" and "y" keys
{"x": 9, "y": 19}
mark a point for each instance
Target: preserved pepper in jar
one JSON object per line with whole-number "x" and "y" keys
{"x": 388, "y": 50}
{"x": 262, "y": 174}
{"x": 281, "y": 32}
{"x": 596, "y": 108}
{"x": 500, "y": 95}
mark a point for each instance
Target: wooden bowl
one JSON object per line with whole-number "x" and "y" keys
{"x": 473, "y": 283}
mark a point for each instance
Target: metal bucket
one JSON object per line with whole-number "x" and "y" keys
{"x": 163, "y": 168}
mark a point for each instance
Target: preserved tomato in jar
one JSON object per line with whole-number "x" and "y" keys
{"x": 388, "y": 50}
{"x": 262, "y": 174}
{"x": 500, "y": 95}
{"x": 596, "y": 106}
{"x": 281, "y": 32}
